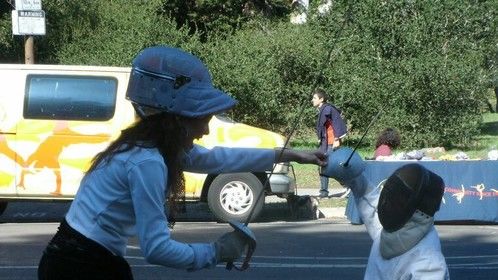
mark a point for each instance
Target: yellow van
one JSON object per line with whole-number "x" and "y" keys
{"x": 55, "y": 118}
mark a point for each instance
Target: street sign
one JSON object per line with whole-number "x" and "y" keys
{"x": 28, "y": 22}
{"x": 28, "y": 4}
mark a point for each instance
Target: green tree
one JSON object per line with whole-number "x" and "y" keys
{"x": 270, "y": 69}
{"x": 121, "y": 30}
{"x": 214, "y": 18}
{"x": 95, "y": 32}
{"x": 11, "y": 47}
{"x": 421, "y": 62}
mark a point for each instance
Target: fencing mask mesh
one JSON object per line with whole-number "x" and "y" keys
{"x": 409, "y": 188}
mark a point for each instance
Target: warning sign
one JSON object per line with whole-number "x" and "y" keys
{"x": 28, "y": 22}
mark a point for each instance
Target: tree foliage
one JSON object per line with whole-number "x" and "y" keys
{"x": 99, "y": 32}
{"x": 422, "y": 63}
{"x": 425, "y": 65}
{"x": 266, "y": 71}
{"x": 210, "y": 18}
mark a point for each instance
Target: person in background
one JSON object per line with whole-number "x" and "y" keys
{"x": 399, "y": 217}
{"x": 387, "y": 141}
{"x": 124, "y": 191}
{"x": 330, "y": 129}
{"x": 496, "y": 97}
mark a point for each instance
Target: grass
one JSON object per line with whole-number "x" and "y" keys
{"x": 307, "y": 175}
{"x": 487, "y": 140}
{"x": 333, "y": 202}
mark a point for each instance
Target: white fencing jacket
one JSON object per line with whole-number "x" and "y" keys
{"x": 423, "y": 261}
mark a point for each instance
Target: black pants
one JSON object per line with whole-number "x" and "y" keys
{"x": 70, "y": 255}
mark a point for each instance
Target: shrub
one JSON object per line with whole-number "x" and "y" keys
{"x": 420, "y": 62}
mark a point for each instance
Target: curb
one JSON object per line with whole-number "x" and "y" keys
{"x": 324, "y": 212}
{"x": 332, "y": 212}
{"x": 276, "y": 208}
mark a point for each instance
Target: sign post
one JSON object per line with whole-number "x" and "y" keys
{"x": 28, "y": 19}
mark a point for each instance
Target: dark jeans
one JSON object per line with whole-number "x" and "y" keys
{"x": 70, "y": 255}
{"x": 324, "y": 181}
{"x": 324, "y": 184}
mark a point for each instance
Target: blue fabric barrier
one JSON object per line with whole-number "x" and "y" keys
{"x": 471, "y": 188}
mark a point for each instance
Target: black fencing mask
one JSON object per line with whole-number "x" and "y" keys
{"x": 409, "y": 188}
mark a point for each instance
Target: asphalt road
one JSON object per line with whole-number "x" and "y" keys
{"x": 287, "y": 249}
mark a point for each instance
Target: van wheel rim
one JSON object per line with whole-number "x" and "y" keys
{"x": 236, "y": 198}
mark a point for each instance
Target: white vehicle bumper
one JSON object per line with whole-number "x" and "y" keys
{"x": 282, "y": 184}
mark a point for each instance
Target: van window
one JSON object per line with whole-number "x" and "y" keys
{"x": 70, "y": 97}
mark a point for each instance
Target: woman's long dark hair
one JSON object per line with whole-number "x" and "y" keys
{"x": 165, "y": 132}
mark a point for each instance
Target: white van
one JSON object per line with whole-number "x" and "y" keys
{"x": 54, "y": 119}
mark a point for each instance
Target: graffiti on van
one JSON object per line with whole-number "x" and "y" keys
{"x": 48, "y": 152}
{"x": 49, "y": 157}
{"x": 44, "y": 155}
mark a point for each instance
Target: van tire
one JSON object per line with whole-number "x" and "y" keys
{"x": 3, "y": 206}
{"x": 233, "y": 196}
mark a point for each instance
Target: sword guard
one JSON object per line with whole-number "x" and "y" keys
{"x": 336, "y": 164}
{"x": 247, "y": 233}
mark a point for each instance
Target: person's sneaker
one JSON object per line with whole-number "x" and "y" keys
{"x": 323, "y": 194}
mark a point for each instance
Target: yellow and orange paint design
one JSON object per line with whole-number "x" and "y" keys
{"x": 48, "y": 158}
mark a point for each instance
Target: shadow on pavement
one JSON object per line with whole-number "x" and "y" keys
{"x": 39, "y": 211}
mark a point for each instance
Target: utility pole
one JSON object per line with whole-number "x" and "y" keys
{"x": 29, "y": 50}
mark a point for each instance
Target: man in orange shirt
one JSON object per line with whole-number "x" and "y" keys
{"x": 330, "y": 129}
